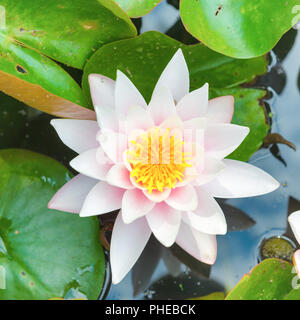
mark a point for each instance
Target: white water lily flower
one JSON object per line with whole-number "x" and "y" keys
{"x": 294, "y": 220}
{"x": 161, "y": 163}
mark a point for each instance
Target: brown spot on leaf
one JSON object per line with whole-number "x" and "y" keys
{"x": 20, "y": 69}
{"x": 218, "y": 10}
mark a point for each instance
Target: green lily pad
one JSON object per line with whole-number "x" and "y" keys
{"x": 272, "y": 279}
{"x": 137, "y": 8}
{"x": 66, "y": 31}
{"x": 44, "y": 253}
{"x": 39, "y": 82}
{"x": 212, "y": 296}
{"x": 238, "y": 28}
{"x": 143, "y": 59}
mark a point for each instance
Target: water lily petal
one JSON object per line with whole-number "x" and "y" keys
{"x": 183, "y": 198}
{"x": 190, "y": 174}
{"x": 107, "y": 118}
{"x": 101, "y": 199}
{"x": 114, "y": 144}
{"x": 208, "y": 170}
{"x": 86, "y": 163}
{"x": 175, "y": 125}
{"x": 175, "y": 76}
{"x": 240, "y": 179}
{"x": 222, "y": 139}
{"x": 164, "y": 222}
{"x": 200, "y": 245}
{"x": 79, "y": 135}
{"x": 138, "y": 118}
{"x": 102, "y": 90}
{"x": 162, "y": 106}
{"x": 294, "y": 220}
{"x": 220, "y": 110}
{"x": 194, "y": 104}
{"x": 135, "y": 205}
{"x": 157, "y": 196}
{"x": 198, "y": 123}
{"x": 126, "y": 95}
{"x": 119, "y": 176}
{"x": 127, "y": 243}
{"x": 208, "y": 217}
{"x": 71, "y": 196}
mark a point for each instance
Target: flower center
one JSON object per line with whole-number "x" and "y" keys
{"x": 157, "y": 159}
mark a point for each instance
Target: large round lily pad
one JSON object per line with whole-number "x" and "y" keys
{"x": 272, "y": 279}
{"x": 239, "y": 28}
{"x": 43, "y": 253}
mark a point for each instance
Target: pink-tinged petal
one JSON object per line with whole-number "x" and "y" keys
{"x": 174, "y": 124}
{"x": 195, "y": 123}
{"x": 79, "y": 135}
{"x": 101, "y": 199}
{"x": 209, "y": 170}
{"x": 157, "y": 196}
{"x": 71, "y": 196}
{"x": 138, "y": 185}
{"x": 294, "y": 220}
{"x": 107, "y": 118}
{"x": 135, "y": 205}
{"x": 208, "y": 217}
{"x": 190, "y": 174}
{"x": 183, "y": 198}
{"x": 194, "y": 131}
{"x": 102, "y": 90}
{"x": 296, "y": 261}
{"x": 138, "y": 118}
{"x": 86, "y": 163}
{"x": 126, "y": 95}
{"x": 127, "y": 243}
{"x": 194, "y": 104}
{"x": 119, "y": 176}
{"x": 240, "y": 179}
{"x": 200, "y": 245}
{"x": 220, "y": 110}
{"x": 162, "y": 106}
{"x": 113, "y": 144}
{"x": 175, "y": 76}
{"x": 164, "y": 222}
{"x": 222, "y": 139}
{"x": 126, "y": 162}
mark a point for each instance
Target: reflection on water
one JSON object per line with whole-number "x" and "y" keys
{"x": 266, "y": 216}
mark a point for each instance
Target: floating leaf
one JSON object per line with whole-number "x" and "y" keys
{"x": 272, "y": 279}
{"x": 238, "y": 28}
{"x": 144, "y": 58}
{"x": 47, "y": 253}
{"x": 212, "y": 296}
{"x": 39, "y": 82}
{"x": 137, "y": 8}
{"x": 66, "y": 31}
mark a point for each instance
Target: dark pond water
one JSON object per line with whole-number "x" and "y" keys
{"x": 170, "y": 273}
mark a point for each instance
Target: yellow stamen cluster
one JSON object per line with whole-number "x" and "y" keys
{"x": 157, "y": 159}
